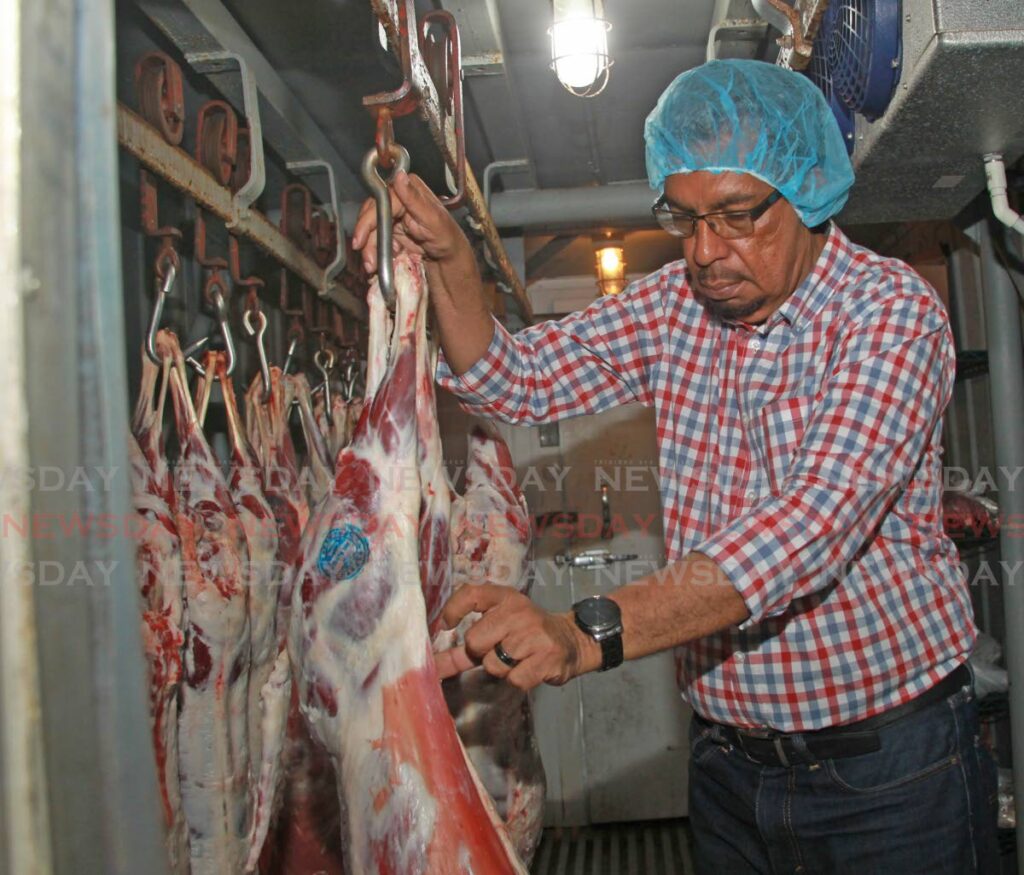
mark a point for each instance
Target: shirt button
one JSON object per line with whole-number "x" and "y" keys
{"x": 751, "y": 493}
{"x": 740, "y": 657}
{"x": 755, "y": 345}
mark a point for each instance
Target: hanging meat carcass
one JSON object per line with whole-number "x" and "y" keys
{"x": 158, "y": 559}
{"x": 213, "y": 723}
{"x": 266, "y": 423}
{"x": 368, "y": 687}
{"x": 263, "y": 572}
{"x": 334, "y": 428}
{"x": 355, "y": 411}
{"x": 435, "y": 493}
{"x": 490, "y": 542}
{"x": 296, "y": 810}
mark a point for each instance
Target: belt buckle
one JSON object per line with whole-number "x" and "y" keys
{"x": 777, "y": 739}
{"x": 760, "y": 732}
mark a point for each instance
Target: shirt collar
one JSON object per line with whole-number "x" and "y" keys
{"x": 818, "y": 286}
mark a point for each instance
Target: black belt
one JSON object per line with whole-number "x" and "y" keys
{"x": 772, "y": 748}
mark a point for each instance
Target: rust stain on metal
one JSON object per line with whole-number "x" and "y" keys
{"x": 430, "y": 111}
{"x": 183, "y": 172}
{"x": 805, "y": 21}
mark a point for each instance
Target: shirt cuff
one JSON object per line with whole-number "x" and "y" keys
{"x": 749, "y": 553}
{"x": 482, "y": 383}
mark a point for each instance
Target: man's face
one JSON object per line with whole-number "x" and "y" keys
{"x": 748, "y": 278}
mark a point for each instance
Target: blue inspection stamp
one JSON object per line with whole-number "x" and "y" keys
{"x": 343, "y": 553}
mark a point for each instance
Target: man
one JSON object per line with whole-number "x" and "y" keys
{"x": 819, "y": 615}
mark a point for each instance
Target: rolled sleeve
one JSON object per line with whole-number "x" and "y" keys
{"x": 585, "y": 363}
{"x": 482, "y": 383}
{"x": 864, "y": 441}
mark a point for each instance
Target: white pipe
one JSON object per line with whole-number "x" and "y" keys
{"x": 995, "y": 176}
{"x": 599, "y": 205}
{"x": 499, "y": 167}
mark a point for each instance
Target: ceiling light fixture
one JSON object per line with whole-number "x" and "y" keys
{"x": 579, "y": 46}
{"x": 611, "y": 266}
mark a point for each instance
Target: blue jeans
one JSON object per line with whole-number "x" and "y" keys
{"x": 924, "y": 803}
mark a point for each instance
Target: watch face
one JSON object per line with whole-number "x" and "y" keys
{"x": 598, "y": 614}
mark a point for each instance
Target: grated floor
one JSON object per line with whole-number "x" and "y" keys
{"x": 644, "y": 848}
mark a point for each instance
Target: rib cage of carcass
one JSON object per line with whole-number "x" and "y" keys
{"x": 278, "y": 588}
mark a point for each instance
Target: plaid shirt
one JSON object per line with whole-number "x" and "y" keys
{"x": 802, "y": 455}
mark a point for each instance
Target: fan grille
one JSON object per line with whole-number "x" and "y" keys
{"x": 819, "y": 73}
{"x": 862, "y": 49}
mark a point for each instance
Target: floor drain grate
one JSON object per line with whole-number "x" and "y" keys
{"x": 647, "y": 848}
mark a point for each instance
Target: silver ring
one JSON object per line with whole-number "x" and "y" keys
{"x": 510, "y": 661}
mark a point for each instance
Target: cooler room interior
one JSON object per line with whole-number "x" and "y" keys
{"x": 192, "y": 341}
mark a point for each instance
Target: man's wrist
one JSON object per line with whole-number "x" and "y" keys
{"x": 588, "y": 652}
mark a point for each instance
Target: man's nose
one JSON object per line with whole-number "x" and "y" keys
{"x": 708, "y": 247}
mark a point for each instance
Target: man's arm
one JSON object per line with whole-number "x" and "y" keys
{"x": 689, "y": 599}
{"x": 585, "y": 363}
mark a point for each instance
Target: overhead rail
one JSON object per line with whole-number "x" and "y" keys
{"x": 398, "y": 18}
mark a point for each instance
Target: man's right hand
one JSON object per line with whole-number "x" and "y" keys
{"x": 422, "y": 225}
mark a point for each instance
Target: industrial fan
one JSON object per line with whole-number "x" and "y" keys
{"x": 862, "y": 41}
{"x": 818, "y": 72}
{"x": 857, "y": 59}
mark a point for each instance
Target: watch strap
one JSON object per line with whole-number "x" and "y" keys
{"x": 611, "y": 652}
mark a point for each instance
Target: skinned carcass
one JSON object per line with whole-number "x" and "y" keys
{"x": 158, "y": 561}
{"x": 368, "y": 687}
{"x": 296, "y": 808}
{"x": 491, "y": 536}
{"x": 435, "y": 493}
{"x": 213, "y": 723}
{"x": 263, "y": 573}
{"x": 334, "y": 428}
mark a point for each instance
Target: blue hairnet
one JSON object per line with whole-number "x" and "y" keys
{"x": 757, "y": 118}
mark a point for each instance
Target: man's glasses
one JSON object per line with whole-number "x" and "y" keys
{"x": 730, "y": 225}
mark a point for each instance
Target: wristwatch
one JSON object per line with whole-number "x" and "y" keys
{"x": 601, "y": 619}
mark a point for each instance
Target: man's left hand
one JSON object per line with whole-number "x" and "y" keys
{"x": 549, "y": 648}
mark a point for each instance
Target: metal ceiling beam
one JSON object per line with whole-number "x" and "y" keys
{"x": 197, "y": 27}
{"x": 548, "y": 251}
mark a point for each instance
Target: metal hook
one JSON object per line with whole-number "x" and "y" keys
{"x": 350, "y": 381}
{"x": 220, "y": 308}
{"x": 292, "y": 346}
{"x": 158, "y": 309}
{"x": 385, "y": 226}
{"x": 324, "y": 360}
{"x": 261, "y": 350}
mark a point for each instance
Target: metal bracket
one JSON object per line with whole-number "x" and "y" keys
{"x": 444, "y": 63}
{"x": 220, "y": 62}
{"x": 307, "y": 168}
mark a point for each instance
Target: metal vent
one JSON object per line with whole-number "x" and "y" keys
{"x": 653, "y": 848}
{"x": 963, "y": 61}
